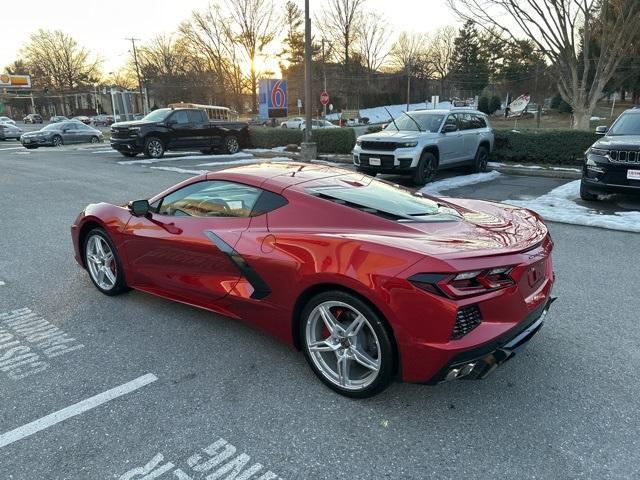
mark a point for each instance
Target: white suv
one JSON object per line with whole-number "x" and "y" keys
{"x": 420, "y": 142}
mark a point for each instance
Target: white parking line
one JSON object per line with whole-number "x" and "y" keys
{"x": 75, "y": 409}
{"x": 11, "y": 148}
{"x": 2, "y": 283}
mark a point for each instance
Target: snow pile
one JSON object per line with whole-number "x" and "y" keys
{"x": 559, "y": 206}
{"x": 265, "y": 150}
{"x": 380, "y": 115}
{"x": 436, "y": 188}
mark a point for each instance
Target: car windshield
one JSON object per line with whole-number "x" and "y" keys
{"x": 628, "y": 124}
{"x": 158, "y": 115}
{"x": 380, "y": 198}
{"x": 429, "y": 122}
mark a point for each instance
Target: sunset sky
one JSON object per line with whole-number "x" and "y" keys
{"x": 102, "y": 26}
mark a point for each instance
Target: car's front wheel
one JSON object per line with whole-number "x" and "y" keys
{"x": 347, "y": 344}
{"x": 426, "y": 169}
{"x": 95, "y": 139}
{"x": 585, "y": 194}
{"x": 153, "y": 148}
{"x": 103, "y": 263}
{"x": 231, "y": 144}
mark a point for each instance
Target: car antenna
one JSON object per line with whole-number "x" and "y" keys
{"x": 392, "y": 119}
{"x": 414, "y": 121}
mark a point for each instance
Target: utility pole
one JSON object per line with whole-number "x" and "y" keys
{"x": 324, "y": 74}
{"x": 408, "y": 86}
{"x": 308, "y": 149}
{"x": 145, "y": 107}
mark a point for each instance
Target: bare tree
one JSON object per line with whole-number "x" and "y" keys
{"x": 254, "y": 26}
{"x": 585, "y": 40}
{"x": 440, "y": 49}
{"x": 409, "y": 55}
{"x": 56, "y": 60}
{"x": 340, "y": 23}
{"x": 372, "y": 44}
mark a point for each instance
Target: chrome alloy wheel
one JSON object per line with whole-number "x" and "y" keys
{"x": 155, "y": 148}
{"x": 101, "y": 262}
{"x": 343, "y": 345}
{"x": 233, "y": 146}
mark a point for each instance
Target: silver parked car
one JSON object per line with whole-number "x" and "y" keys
{"x": 419, "y": 143}
{"x": 62, "y": 133}
{"x": 8, "y": 131}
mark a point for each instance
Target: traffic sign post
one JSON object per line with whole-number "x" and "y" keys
{"x": 324, "y": 100}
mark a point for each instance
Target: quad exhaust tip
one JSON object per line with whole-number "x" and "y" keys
{"x": 460, "y": 371}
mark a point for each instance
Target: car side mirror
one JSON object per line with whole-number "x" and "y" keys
{"x": 602, "y": 130}
{"x": 171, "y": 121}
{"x": 448, "y": 128}
{"x": 139, "y": 208}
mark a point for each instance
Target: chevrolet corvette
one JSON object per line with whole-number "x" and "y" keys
{"x": 372, "y": 281}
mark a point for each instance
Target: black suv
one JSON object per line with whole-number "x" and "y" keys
{"x": 178, "y": 129}
{"x": 612, "y": 164}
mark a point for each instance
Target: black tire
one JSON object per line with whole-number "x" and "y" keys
{"x": 366, "y": 171}
{"x": 388, "y": 363}
{"x": 120, "y": 285}
{"x": 95, "y": 139}
{"x": 480, "y": 161}
{"x": 57, "y": 141}
{"x": 129, "y": 154}
{"x": 284, "y": 125}
{"x": 153, "y": 148}
{"x": 585, "y": 194}
{"x": 231, "y": 144}
{"x": 426, "y": 169}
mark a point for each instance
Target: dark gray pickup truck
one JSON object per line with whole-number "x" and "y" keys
{"x": 178, "y": 129}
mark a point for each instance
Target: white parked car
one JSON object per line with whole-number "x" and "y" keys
{"x": 292, "y": 122}
{"x": 7, "y": 120}
{"x": 315, "y": 124}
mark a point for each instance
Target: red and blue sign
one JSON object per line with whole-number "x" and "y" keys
{"x": 272, "y": 98}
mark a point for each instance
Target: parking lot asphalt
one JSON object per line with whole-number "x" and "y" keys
{"x": 143, "y": 382}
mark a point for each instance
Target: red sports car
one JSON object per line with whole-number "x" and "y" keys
{"x": 371, "y": 280}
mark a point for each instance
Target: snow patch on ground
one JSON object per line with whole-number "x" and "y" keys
{"x": 181, "y": 170}
{"x": 559, "y": 206}
{"x": 436, "y": 188}
{"x": 265, "y": 150}
{"x": 147, "y": 161}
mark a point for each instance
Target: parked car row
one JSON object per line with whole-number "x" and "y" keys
{"x": 300, "y": 124}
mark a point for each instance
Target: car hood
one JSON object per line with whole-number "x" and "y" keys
{"x": 481, "y": 229}
{"x": 39, "y": 132}
{"x": 619, "y": 142}
{"x": 388, "y": 136}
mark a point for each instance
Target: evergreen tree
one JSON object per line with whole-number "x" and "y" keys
{"x": 470, "y": 70}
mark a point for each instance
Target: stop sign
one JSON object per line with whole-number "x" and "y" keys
{"x": 324, "y": 98}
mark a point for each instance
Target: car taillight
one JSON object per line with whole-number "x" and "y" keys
{"x": 464, "y": 284}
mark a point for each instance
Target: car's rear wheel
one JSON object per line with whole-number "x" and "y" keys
{"x": 231, "y": 144}
{"x": 426, "y": 169}
{"x": 481, "y": 160}
{"x": 56, "y": 140}
{"x": 585, "y": 194}
{"x": 103, "y": 263}
{"x": 347, "y": 344}
{"x": 153, "y": 148}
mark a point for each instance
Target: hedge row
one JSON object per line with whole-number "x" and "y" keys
{"x": 331, "y": 140}
{"x": 559, "y": 147}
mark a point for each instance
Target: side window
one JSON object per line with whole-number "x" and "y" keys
{"x": 211, "y": 199}
{"x": 451, "y": 120}
{"x": 465, "y": 121}
{"x": 196, "y": 116}
{"x": 181, "y": 117}
{"x": 479, "y": 121}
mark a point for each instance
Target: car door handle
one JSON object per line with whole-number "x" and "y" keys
{"x": 169, "y": 227}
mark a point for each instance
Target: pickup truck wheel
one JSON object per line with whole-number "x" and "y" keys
{"x": 481, "y": 160}
{"x": 231, "y": 144}
{"x": 426, "y": 169}
{"x": 585, "y": 194}
{"x": 153, "y": 148}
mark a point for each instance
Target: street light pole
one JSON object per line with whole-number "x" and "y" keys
{"x": 324, "y": 74}
{"x": 145, "y": 108}
{"x": 308, "y": 149}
